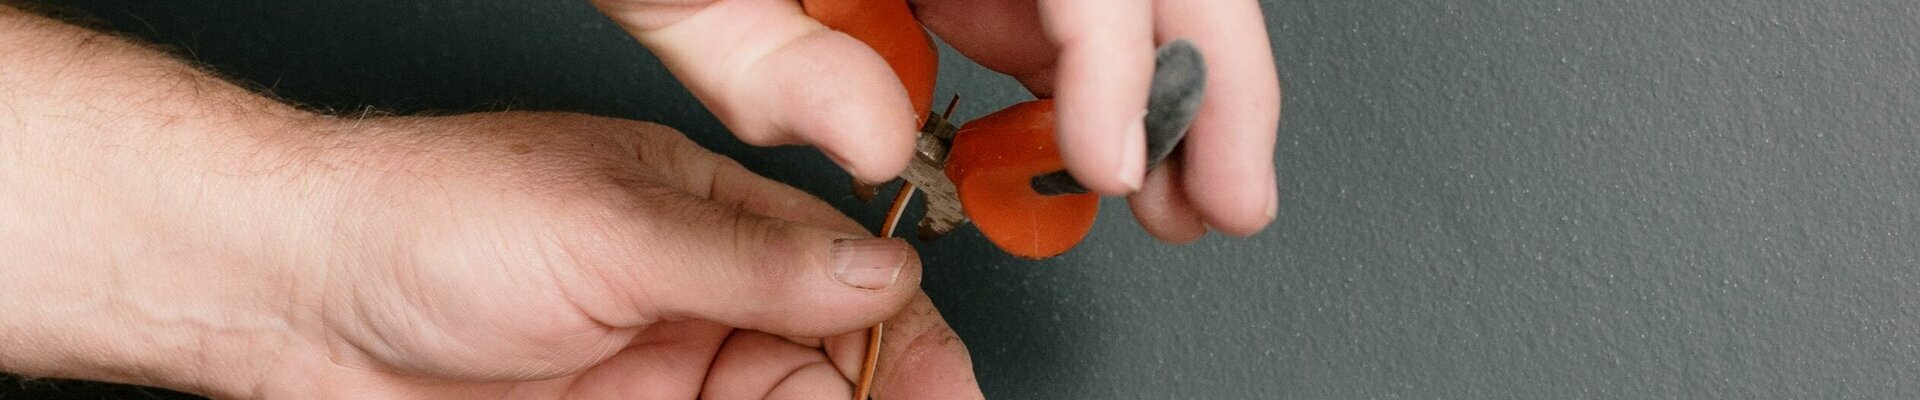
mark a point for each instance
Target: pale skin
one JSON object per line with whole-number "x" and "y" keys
{"x": 166, "y": 228}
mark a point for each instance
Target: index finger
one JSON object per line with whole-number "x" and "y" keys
{"x": 1105, "y": 64}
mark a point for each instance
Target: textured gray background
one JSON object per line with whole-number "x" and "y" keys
{"x": 1481, "y": 199}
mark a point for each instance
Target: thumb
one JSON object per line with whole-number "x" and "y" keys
{"x": 773, "y": 275}
{"x": 775, "y": 76}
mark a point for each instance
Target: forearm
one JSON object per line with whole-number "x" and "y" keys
{"x": 126, "y": 252}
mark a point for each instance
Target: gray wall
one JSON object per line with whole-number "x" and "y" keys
{"x": 1481, "y": 199}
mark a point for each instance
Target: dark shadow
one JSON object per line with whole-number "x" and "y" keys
{"x": 14, "y": 387}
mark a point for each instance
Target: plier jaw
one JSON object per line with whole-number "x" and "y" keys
{"x": 927, "y": 171}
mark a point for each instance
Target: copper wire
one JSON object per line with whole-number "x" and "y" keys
{"x": 864, "y": 387}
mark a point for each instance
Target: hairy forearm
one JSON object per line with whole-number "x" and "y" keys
{"x": 126, "y": 252}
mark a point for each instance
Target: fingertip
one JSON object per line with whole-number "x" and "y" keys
{"x": 925, "y": 369}
{"x": 1230, "y": 166}
{"x": 1256, "y": 223}
{"x": 850, "y": 106}
{"x": 868, "y": 167}
{"x": 1163, "y": 210}
{"x": 1100, "y": 127}
{"x": 1105, "y": 168}
{"x": 923, "y": 358}
{"x": 1233, "y": 207}
{"x": 877, "y": 167}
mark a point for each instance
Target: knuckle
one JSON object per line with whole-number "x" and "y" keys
{"x": 755, "y": 242}
{"x": 759, "y": 261}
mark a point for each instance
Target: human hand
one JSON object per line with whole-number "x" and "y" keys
{"x": 166, "y": 228}
{"x": 523, "y": 256}
{"x": 775, "y": 76}
{"x": 564, "y": 256}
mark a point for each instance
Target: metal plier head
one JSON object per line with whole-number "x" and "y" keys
{"x": 927, "y": 172}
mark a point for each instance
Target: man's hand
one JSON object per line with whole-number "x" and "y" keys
{"x": 169, "y": 229}
{"x": 551, "y": 256}
{"x": 775, "y": 76}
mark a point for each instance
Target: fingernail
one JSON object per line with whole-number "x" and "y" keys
{"x": 1133, "y": 155}
{"x": 870, "y": 263}
{"x": 1273, "y": 205}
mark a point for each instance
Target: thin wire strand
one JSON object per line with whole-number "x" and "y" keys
{"x": 865, "y": 387}
{"x": 898, "y": 209}
{"x": 887, "y": 228}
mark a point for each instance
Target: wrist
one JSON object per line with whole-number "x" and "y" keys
{"x": 171, "y": 271}
{"x": 167, "y": 274}
{"x": 149, "y": 233}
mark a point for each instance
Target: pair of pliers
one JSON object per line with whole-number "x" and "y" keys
{"x": 1173, "y": 100}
